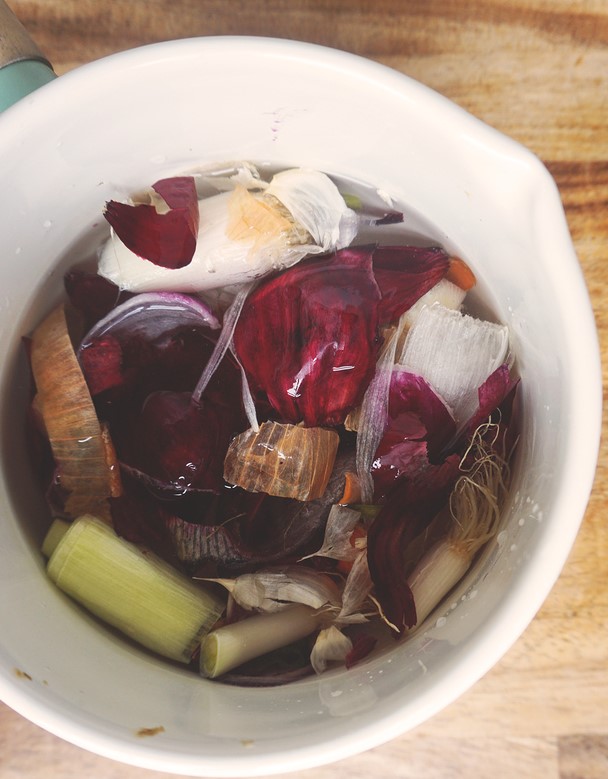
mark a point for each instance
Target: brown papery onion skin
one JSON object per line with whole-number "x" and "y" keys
{"x": 82, "y": 451}
{"x": 289, "y": 461}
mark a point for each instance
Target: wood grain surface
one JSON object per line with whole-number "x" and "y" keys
{"x": 537, "y": 70}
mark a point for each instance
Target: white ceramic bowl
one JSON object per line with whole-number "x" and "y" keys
{"x": 125, "y": 121}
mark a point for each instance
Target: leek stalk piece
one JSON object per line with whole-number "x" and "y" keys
{"x": 55, "y": 533}
{"x": 133, "y": 590}
{"x": 438, "y": 572}
{"x": 475, "y": 506}
{"x": 232, "y": 645}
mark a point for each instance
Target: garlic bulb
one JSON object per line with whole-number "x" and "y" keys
{"x": 244, "y": 234}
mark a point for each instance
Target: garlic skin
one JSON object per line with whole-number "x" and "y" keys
{"x": 331, "y": 646}
{"x": 244, "y": 235}
{"x": 275, "y": 589}
{"x": 338, "y": 530}
{"x": 316, "y": 204}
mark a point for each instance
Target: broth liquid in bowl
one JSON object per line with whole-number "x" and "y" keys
{"x": 278, "y": 440}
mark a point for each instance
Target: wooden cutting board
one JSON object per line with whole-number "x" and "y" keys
{"x": 538, "y": 71}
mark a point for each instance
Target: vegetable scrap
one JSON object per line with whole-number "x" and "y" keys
{"x": 144, "y": 732}
{"x": 163, "y": 230}
{"x": 269, "y": 445}
{"x": 284, "y": 460}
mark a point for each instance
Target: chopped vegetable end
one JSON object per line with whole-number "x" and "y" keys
{"x": 352, "y": 489}
{"x": 55, "y": 533}
{"x": 232, "y": 645}
{"x": 133, "y": 590}
{"x": 460, "y": 274}
{"x": 436, "y": 574}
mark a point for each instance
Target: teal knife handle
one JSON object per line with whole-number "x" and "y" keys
{"x": 23, "y": 68}
{"x": 18, "y": 79}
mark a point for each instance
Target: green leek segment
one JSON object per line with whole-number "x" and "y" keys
{"x": 133, "y": 590}
{"x": 54, "y": 535}
{"x": 234, "y": 644}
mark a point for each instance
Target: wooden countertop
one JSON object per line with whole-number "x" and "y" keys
{"x": 538, "y": 71}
